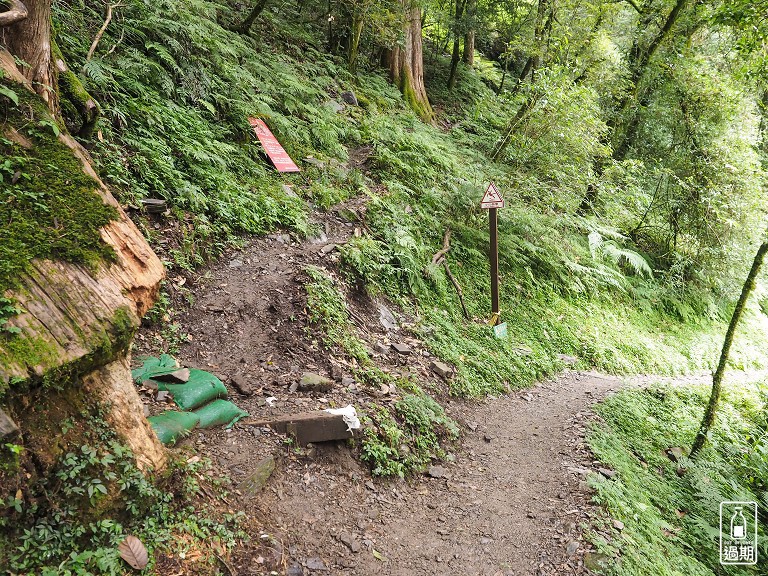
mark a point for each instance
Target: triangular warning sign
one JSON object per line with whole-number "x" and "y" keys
{"x": 492, "y": 198}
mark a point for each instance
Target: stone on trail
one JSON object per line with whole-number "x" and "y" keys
{"x": 311, "y": 382}
{"x": 441, "y": 369}
{"x": 380, "y": 348}
{"x": 306, "y": 427}
{"x": 437, "y": 472}
{"x": 386, "y": 318}
{"x": 242, "y": 385}
{"x": 253, "y": 484}
{"x": 401, "y": 348}
{"x": 618, "y": 524}
{"x": 8, "y": 427}
{"x": 316, "y": 564}
{"x": 572, "y": 547}
{"x": 350, "y": 542}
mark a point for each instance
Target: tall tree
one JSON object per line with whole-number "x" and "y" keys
{"x": 717, "y": 379}
{"x": 406, "y": 62}
{"x": 652, "y": 29}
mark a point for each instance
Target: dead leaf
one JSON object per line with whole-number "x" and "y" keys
{"x": 133, "y": 551}
{"x": 379, "y": 556}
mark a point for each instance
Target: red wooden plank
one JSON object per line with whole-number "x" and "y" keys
{"x": 277, "y": 154}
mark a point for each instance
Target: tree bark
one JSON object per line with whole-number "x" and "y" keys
{"x": 406, "y": 64}
{"x": 456, "y": 54}
{"x": 354, "y": 43}
{"x": 469, "y": 37}
{"x": 255, "y": 12}
{"x": 717, "y": 378}
{"x": 30, "y": 41}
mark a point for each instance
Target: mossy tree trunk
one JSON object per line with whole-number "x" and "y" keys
{"x": 717, "y": 379}
{"x": 28, "y": 38}
{"x": 358, "y": 21}
{"x": 406, "y": 64}
{"x": 468, "y": 56}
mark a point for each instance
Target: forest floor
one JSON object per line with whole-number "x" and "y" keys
{"x": 512, "y": 498}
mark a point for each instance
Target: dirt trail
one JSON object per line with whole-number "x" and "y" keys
{"x": 512, "y": 501}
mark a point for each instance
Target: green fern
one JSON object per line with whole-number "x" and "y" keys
{"x": 599, "y": 246}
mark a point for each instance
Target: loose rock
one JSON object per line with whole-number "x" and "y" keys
{"x": 253, "y": 484}
{"x": 401, "y": 348}
{"x": 350, "y": 98}
{"x": 437, "y": 472}
{"x": 8, "y": 427}
{"x": 311, "y": 382}
{"x": 441, "y": 369}
{"x": 242, "y": 385}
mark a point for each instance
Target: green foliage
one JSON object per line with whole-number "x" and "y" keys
{"x": 327, "y": 308}
{"x": 71, "y": 522}
{"x": 8, "y": 310}
{"x": 50, "y": 207}
{"x": 671, "y": 522}
{"x": 407, "y": 437}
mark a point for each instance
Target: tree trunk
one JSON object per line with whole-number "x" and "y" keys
{"x": 406, "y": 64}
{"x": 30, "y": 41}
{"x": 76, "y": 324}
{"x": 354, "y": 43}
{"x": 456, "y": 54}
{"x": 717, "y": 378}
{"x": 469, "y": 36}
{"x": 255, "y": 12}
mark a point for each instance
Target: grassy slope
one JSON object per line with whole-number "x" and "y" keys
{"x": 671, "y": 522}
{"x": 177, "y": 92}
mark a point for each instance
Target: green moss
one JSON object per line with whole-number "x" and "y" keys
{"x": 50, "y": 208}
{"x": 34, "y": 351}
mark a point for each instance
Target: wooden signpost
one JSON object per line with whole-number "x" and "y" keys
{"x": 491, "y": 201}
{"x": 277, "y": 154}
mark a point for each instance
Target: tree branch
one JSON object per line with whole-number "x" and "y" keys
{"x": 101, "y": 31}
{"x": 16, "y": 12}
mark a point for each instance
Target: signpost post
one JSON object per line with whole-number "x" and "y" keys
{"x": 491, "y": 201}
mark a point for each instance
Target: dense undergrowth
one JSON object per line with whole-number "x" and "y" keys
{"x": 59, "y": 525}
{"x": 671, "y": 520}
{"x": 177, "y": 87}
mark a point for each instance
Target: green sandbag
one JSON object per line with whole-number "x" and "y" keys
{"x": 201, "y": 388}
{"x": 219, "y": 413}
{"x": 170, "y": 426}
{"x": 154, "y": 367}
